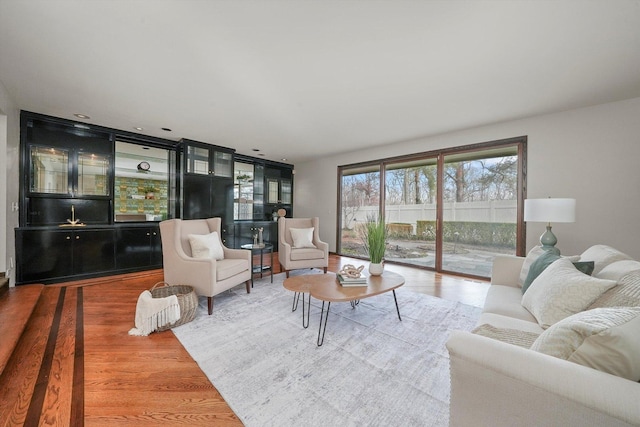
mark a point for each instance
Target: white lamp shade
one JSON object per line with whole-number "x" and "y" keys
{"x": 550, "y": 210}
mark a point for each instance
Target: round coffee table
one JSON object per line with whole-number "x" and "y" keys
{"x": 327, "y": 288}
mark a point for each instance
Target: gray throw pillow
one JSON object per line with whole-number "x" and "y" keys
{"x": 538, "y": 266}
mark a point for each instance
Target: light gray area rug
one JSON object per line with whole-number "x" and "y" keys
{"x": 372, "y": 370}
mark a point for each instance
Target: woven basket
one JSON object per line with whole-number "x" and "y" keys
{"x": 187, "y": 299}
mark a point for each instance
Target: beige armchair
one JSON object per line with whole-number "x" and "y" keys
{"x": 208, "y": 276}
{"x": 311, "y": 255}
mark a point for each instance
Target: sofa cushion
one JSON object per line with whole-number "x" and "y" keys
{"x": 506, "y": 300}
{"x": 603, "y": 338}
{"x": 602, "y": 255}
{"x": 560, "y": 291}
{"x": 206, "y": 246}
{"x": 625, "y": 294}
{"x": 302, "y": 237}
{"x": 616, "y": 270}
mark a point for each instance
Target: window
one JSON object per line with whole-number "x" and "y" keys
{"x": 452, "y": 210}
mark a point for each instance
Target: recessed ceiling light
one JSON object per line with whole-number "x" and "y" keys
{"x": 82, "y": 116}
{"x": 255, "y": 149}
{"x": 138, "y": 128}
{"x": 166, "y": 129}
{"x": 261, "y": 154}
{"x": 283, "y": 159}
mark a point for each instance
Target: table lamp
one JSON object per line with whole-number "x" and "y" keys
{"x": 549, "y": 210}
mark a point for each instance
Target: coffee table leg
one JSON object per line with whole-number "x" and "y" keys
{"x": 296, "y": 298}
{"x": 306, "y": 325}
{"x": 396, "y": 300}
{"x": 322, "y": 329}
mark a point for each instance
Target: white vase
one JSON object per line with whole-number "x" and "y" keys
{"x": 376, "y": 269}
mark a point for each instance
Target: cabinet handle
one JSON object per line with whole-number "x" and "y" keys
{"x": 148, "y": 234}
{"x": 154, "y": 233}
{"x": 77, "y": 237}
{"x": 68, "y": 237}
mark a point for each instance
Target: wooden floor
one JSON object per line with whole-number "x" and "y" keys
{"x": 76, "y": 365}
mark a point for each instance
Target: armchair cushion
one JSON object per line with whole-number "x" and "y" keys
{"x": 306, "y": 253}
{"x": 229, "y": 267}
{"x": 302, "y": 237}
{"x": 206, "y": 246}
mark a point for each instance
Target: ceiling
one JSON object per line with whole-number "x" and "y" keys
{"x": 302, "y": 79}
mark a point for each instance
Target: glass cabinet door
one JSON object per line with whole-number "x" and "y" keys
{"x": 272, "y": 190}
{"x": 92, "y": 174}
{"x": 49, "y": 170}
{"x": 197, "y": 160}
{"x": 223, "y": 164}
{"x": 285, "y": 191}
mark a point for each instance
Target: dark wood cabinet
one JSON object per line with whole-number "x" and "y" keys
{"x": 207, "y": 182}
{"x": 138, "y": 248}
{"x": 47, "y": 256}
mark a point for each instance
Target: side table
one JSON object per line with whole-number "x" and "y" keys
{"x": 260, "y": 268}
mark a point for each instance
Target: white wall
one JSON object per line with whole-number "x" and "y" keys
{"x": 591, "y": 154}
{"x": 9, "y": 144}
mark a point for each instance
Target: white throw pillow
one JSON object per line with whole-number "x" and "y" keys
{"x": 602, "y": 255}
{"x": 302, "y": 237}
{"x": 560, "y": 291}
{"x": 206, "y": 246}
{"x": 605, "y": 339}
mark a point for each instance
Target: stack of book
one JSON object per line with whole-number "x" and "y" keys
{"x": 351, "y": 281}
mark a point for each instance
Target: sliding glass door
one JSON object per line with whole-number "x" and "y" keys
{"x": 479, "y": 209}
{"x": 453, "y": 210}
{"x": 410, "y": 211}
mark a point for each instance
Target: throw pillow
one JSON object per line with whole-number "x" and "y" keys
{"x": 560, "y": 291}
{"x": 625, "y": 294}
{"x": 302, "y": 237}
{"x": 545, "y": 260}
{"x": 538, "y": 266}
{"x": 510, "y": 336}
{"x": 603, "y": 338}
{"x": 206, "y": 246}
{"x": 602, "y": 255}
{"x": 531, "y": 257}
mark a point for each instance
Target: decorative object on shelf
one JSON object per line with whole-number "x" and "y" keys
{"x": 260, "y": 230}
{"x": 255, "y": 239}
{"x": 549, "y": 210}
{"x": 243, "y": 177}
{"x": 374, "y": 237}
{"x": 274, "y": 215}
{"x": 144, "y": 166}
{"x": 73, "y": 222}
{"x": 282, "y": 212}
{"x": 150, "y": 192}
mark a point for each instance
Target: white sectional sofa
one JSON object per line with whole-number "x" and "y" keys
{"x": 500, "y": 381}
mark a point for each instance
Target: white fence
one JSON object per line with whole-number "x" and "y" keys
{"x": 501, "y": 211}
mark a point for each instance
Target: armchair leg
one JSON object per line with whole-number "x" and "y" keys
{"x": 325, "y": 270}
{"x": 287, "y": 273}
{"x": 248, "y": 285}
{"x": 210, "y": 303}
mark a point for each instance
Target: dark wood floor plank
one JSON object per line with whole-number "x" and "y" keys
{"x": 16, "y": 306}
{"x": 17, "y": 382}
{"x": 42, "y": 382}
